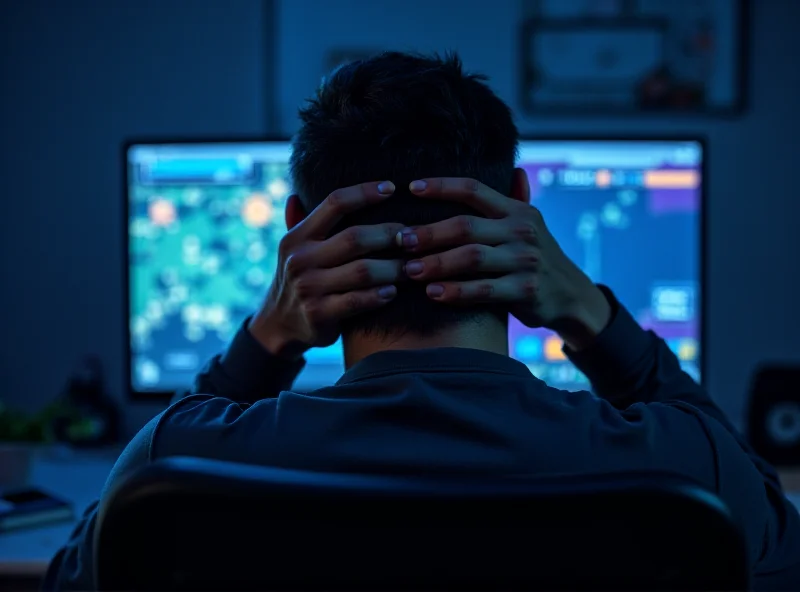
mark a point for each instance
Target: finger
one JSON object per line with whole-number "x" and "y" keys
{"x": 340, "y": 306}
{"x": 340, "y": 203}
{"x": 364, "y": 273}
{"x": 467, "y": 191}
{"x": 460, "y": 230}
{"x": 473, "y": 259}
{"x": 516, "y": 288}
{"x": 352, "y": 243}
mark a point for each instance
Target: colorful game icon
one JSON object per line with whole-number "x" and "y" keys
{"x": 257, "y": 211}
{"x": 161, "y": 212}
{"x": 552, "y": 349}
{"x": 687, "y": 350}
{"x": 528, "y": 348}
{"x": 602, "y": 178}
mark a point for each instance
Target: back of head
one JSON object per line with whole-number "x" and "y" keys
{"x": 402, "y": 117}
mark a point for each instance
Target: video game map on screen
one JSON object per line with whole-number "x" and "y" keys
{"x": 205, "y": 221}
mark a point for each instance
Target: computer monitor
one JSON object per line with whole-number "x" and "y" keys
{"x": 203, "y": 222}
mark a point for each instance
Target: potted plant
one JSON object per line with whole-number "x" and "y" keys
{"x": 21, "y": 435}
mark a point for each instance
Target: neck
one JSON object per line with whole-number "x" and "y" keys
{"x": 487, "y": 335}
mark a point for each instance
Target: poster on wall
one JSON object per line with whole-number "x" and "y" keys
{"x": 622, "y": 56}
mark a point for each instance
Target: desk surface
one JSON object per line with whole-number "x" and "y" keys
{"x": 79, "y": 478}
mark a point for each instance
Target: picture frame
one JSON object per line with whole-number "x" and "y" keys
{"x": 634, "y": 56}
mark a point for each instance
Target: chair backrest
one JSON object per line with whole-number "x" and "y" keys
{"x": 191, "y": 524}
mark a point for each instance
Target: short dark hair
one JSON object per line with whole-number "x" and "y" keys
{"x": 402, "y": 117}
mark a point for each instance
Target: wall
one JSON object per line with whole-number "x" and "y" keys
{"x": 753, "y": 244}
{"x": 79, "y": 77}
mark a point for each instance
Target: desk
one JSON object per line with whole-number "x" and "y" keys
{"x": 79, "y": 477}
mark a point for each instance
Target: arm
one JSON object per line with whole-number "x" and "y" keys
{"x": 639, "y": 375}
{"x": 266, "y": 353}
{"x": 654, "y": 415}
{"x": 245, "y": 373}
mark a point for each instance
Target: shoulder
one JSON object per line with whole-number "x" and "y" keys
{"x": 198, "y": 425}
{"x": 212, "y": 427}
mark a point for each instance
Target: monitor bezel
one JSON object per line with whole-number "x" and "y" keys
{"x": 165, "y": 396}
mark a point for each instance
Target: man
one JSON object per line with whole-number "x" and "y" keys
{"x": 411, "y": 235}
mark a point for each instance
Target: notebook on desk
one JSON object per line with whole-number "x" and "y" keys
{"x": 30, "y": 508}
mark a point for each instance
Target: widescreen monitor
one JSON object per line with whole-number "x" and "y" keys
{"x": 204, "y": 219}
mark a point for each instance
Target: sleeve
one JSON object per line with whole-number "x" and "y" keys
{"x": 245, "y": 372}
{"x": 634, "y": 370}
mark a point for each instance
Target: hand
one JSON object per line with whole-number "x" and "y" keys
{"x": 320, "y": 281}
{"x": 512, "y": 257}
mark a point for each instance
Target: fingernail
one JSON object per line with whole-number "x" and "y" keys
{"x": 435, "y": 290}
{"x": 406, "y": 238}
{"x": 387, "y": 292}
{"x": 417, "y": 186}
{"x": 386, "y": 188}
{"x": 409, "y": 239}
{"x": 414, "y": 267}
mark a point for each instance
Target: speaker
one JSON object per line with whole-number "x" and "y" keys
{"x": 774, "y": 419}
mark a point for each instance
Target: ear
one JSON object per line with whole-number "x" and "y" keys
{"x": 520, "y": 187}
{"x": 295, "y": 212}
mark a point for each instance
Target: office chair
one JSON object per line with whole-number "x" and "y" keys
{"x": 192, "y": 524}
